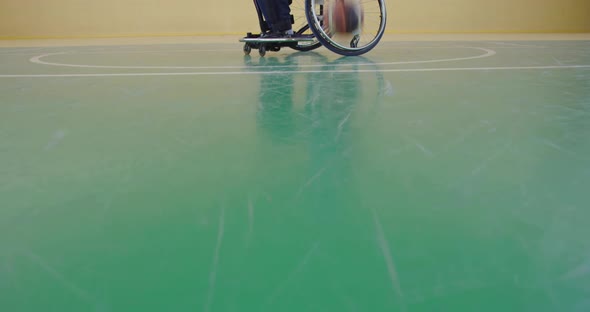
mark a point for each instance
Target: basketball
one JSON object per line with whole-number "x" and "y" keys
{"x": 344, "y": 16}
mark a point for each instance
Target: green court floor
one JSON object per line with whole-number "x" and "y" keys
{"x": 424, "y": 176}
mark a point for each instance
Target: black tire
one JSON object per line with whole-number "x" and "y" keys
{"x": 315, "y": 22}
{"x": 262, "y": 50}
{"x": 247, "y": 49}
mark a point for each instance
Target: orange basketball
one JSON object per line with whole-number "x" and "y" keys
{"x": 344, "y": 16}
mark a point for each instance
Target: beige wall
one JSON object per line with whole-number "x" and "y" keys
{"x": 95, "y": 18}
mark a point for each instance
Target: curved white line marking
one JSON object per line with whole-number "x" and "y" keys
{"x": 130, "y": 50}
{"x": 153, "y": 51}
{"x": 293, "y": 72}
{"x": 37, "y": 60}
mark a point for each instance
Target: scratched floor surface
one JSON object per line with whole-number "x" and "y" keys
{"x": 424, "y": 176}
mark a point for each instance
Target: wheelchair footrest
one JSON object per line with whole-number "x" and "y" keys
{"x": 279, "y": 39}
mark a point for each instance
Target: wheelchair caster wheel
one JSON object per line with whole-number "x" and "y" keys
{"x": 247, "y": 49}
{"x": 262, "y": 50}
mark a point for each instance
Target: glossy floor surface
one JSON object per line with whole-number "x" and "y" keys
{"x": 424, "y": 176}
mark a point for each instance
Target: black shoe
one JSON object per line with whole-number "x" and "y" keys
{"x": 276, "y": 34}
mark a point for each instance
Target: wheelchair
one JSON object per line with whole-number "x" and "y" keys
{"x": 311, "y": 31}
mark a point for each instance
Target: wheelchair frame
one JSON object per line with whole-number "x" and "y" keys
{"x": 308, "y": 43}
{"x": 257, "y": 41}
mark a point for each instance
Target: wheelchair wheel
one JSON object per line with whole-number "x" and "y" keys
{"x": 247, "y": 49}
{"x": 359, "y": 41}
{"x": 262, "y": 50}
{"x": 300, "y": 27}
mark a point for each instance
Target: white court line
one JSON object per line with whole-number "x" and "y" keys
{"x": 126, "y": 50}
{"x": 37, "y": 60}
{"x": 292, "y": 72}
{"x": 154, "y": 51}
{"x": 517, "y": 45}
{"x": 113, "y": 51}
{"x": 101, "y": 51}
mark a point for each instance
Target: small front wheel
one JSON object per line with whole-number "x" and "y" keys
{"x": 247, "y": 49}
{"x": 262, "y": 50}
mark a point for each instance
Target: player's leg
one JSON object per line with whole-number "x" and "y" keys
{"x": 278, "y": 15}
{"x": 261, "y": 5}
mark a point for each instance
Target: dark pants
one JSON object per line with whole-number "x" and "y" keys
{"x": 276, "y": 13}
